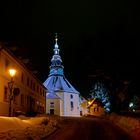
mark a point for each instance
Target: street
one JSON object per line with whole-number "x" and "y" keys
{"x": 84, "y": 128}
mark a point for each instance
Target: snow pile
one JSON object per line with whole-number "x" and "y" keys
{"x": 8, "y": 123}
{"x": 129, "y": 124}
{"x": 13, "y": 128}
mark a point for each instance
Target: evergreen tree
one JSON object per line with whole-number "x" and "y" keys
{"x": 100, "y": 92}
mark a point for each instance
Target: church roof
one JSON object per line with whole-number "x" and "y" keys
{"x": 56, "y": 80}
{"x": 59, "y": 83}
{"x": 52, "y": 96}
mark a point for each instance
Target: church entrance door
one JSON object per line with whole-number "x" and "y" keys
{"x": 51, "y": 111}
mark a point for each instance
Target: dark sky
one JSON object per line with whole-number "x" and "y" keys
{"x": 94, "y": 36}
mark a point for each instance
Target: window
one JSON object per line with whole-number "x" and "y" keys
{"x": 52, "y": 104}
{"x": 5, "y": 94}
{"x": 72, "y": 106}
{"x": 71, "y": 96}
{"x": 96, "y": 109}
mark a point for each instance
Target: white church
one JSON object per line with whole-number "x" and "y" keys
{"x": 62, "y": 98}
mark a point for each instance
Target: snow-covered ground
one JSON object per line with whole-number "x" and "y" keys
{"x": 36, "y": 128}
{"x": 24, "y": 128}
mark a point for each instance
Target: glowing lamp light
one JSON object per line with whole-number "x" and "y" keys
{"x": 131, "y": 105}
{"x": 12, "y": 72}
{"x": 89, "y": 102}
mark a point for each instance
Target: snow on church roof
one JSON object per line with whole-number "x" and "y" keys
{"x": 56, "y": 80}
{"x": 59, "y": 83}
{"x": 52, "y": 96}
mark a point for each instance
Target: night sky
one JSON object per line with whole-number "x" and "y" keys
{"x": 94, "y": 37}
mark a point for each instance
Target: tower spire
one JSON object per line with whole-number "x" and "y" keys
{"x": 56, "y": 61}
{"x": 56, "y": 38}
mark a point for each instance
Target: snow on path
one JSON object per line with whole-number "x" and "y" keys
{"x": 13, "y": 128}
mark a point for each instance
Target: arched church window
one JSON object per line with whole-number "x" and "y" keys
{"x": 71, "y": 96}
{"x": 72, "y": 105}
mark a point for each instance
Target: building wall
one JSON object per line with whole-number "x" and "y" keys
{"x": 61, "y": 95}
{"x": 32, "y": 95}
{"x": 71, "y": 104}
{"x": 96, "y": 110}
{"x": 83, "y": 107}
{"x": 55, "y": 106}
{"x": 62, "y": 106}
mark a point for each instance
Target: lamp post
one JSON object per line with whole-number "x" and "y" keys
{"x": 12, "y": 73}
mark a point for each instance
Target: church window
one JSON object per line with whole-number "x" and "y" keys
{"x": 52, "y": 104}
{"x": 72, "y": 106}
{"x": 71, "y": 96}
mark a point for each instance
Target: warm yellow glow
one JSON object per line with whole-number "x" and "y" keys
{"x": 89, "y": 102}
{"x": 12, "y": 72}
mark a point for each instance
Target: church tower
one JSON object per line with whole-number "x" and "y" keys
{"x": 62, "y": 98}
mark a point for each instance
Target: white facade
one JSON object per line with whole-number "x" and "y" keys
{"x": 71, "y": 104}
{"x": 66, "y": 105}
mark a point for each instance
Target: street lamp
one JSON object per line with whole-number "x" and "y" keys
{"x": 12, "y": 73}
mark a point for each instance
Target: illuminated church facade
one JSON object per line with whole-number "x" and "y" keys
{"x": 62, "y": 98}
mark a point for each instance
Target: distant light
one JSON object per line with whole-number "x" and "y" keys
{"x": 131, "y": 104}
{"x": 89, "y": 102}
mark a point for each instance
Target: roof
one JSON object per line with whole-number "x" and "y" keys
{"x": 96, "y": 101}
{"x": 55, "y": 83}
{"x": 52, "y": 96}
